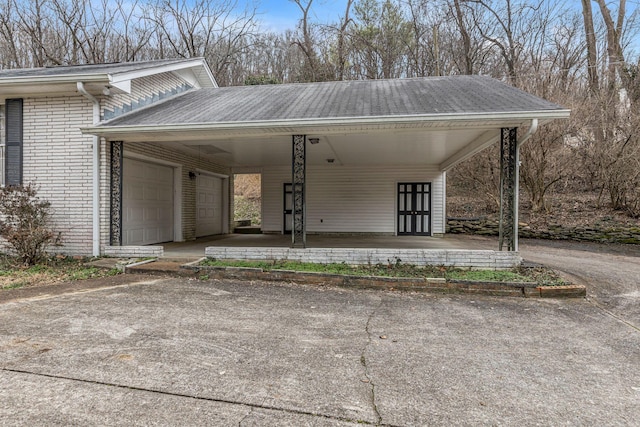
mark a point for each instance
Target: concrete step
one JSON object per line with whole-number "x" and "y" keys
{"x": 252, "y": 229}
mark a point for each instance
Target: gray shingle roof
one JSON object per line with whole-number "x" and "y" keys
{"x": 343, "y": 99}
{"x": 62, "y": 70}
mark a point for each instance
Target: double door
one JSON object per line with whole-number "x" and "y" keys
{"x": 414, "y": 209}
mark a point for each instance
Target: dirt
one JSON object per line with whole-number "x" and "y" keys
{"x": 568, "y": 210}
{"x": 50, "y": 289}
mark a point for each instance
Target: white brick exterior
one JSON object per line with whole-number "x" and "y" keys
{"x": 134, "y": 251}
{"x": 358, "y": 256}
{"x": 59, "y": 159}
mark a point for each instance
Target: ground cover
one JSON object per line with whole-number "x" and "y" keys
{"x": 53, "y": 270}
{"x": 542, "y": 276}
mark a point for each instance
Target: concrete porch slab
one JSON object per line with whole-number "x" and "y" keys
{"x": 454, "y": 250}
{"x": 198, "y": 246}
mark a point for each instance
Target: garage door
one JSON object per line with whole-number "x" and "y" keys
{"x": 147, "y": 203}
{"x": 208, "y": 205}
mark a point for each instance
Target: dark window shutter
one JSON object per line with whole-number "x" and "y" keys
{"x": 13, "y": 141}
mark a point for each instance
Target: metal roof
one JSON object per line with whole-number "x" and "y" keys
{"x": 361, "y": 99}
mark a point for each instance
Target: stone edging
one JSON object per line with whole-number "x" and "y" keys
{"x": 596, "y": 233}
{"x": 440, "y": 285}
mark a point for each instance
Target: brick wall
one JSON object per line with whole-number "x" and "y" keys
{"x": 57, "y": 157}
{"x": 356, "y": 256}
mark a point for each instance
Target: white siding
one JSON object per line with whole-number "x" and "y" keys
{"x": 188, "y": 162}
{"x": 141, "y": 88}
{"x": 350, "y": 199}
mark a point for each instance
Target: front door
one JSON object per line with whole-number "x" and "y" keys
{"x": 414, "y": 209}
{"x": 287, "y": 208}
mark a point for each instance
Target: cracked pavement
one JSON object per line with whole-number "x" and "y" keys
{"x": 227, "y": 353}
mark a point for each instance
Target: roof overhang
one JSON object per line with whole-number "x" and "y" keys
{"x": 195, "y": 71}
{"x": 441, "y": 140}
{"x": 222, "y": 130}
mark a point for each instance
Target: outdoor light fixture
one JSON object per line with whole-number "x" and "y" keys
{"x": 314, "y": 141}
{"x": 331, "y": 160}
{"x": 192, "y": 175}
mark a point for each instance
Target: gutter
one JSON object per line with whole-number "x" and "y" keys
{"x": 286, "y": 124}
{"x": 96, "y": 169}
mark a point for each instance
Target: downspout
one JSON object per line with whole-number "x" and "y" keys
{"x": 96, "y": 169}
{"x": 516, "y": 202}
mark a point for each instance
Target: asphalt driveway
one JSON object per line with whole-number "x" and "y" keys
{"x": 186, "y": 352}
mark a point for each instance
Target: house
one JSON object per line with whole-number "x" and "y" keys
{"x": 143, "y": 153}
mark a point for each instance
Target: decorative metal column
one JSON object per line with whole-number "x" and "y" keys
{"x": 115, "y": 230}
{"x": 298, "y": 169}
{"x": 508, "y": 233}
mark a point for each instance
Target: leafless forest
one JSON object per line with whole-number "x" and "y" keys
{"x": 580, "y": 54}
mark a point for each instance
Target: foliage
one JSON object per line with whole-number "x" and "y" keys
{"x": 25, "y": 223}
{"x": 245, "y": 208}
{"x": 261, "y": 80}
{"x": 49, "y": 270}
{"x": 395, "y": 268}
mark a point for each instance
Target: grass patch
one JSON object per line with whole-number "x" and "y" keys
{"x": 487, "y": 275}
{"x": 540, "y": 275}
{"x": 53, "y": 270}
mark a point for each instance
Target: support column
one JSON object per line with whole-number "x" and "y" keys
{"x": 509, "y": 171}
{"x": 115, "y": 230}
{"x": 298, "y": 169}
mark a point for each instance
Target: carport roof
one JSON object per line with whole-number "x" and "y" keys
{"x": 445, "y": 98}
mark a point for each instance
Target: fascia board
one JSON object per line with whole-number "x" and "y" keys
{"x": 310, "y": 123}
{"x": 67, "y": 78}
{"x": 177, "y": 66}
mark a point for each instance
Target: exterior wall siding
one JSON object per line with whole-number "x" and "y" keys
{"x": 188, "y": 162}
{"x": 343, "y": 199}
{"x": 58, "y": 158}
{"x": 141, "y": 88}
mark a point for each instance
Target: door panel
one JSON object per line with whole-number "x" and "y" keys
{"x": 208, "y": 205}
{"x": 414, "y": 209}
{"x": 147, "y": 203}
{"x": 287, "y": 208}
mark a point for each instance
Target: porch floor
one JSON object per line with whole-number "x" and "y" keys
{"x": 196, "y": 248}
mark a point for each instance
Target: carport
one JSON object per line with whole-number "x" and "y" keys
{"x": 360, "y": 157}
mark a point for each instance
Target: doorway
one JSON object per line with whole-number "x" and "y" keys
{"x": 247, "y": 198}
{"x": 414, "y": 209}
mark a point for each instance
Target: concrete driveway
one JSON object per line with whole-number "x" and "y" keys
{"x": 186, "y": 352}
{"x": 611, "y": 273}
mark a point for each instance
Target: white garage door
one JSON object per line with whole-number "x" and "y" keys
{"x": 147, "y": 203}
{"x": 208, "y": 205}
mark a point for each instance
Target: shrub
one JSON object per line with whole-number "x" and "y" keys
{"x": 25, "y": 223}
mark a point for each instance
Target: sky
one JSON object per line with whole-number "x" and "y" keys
{"x": 279, "y": 15}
